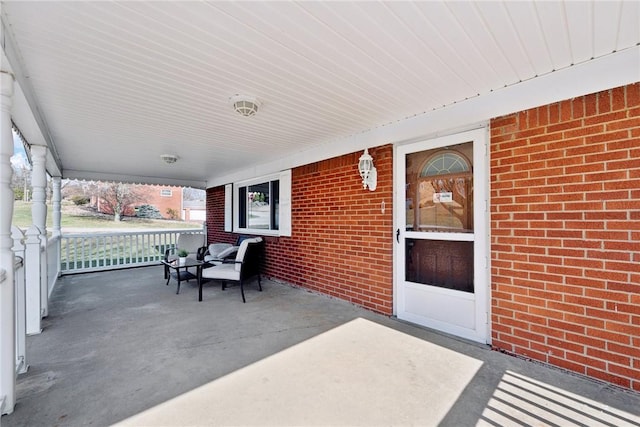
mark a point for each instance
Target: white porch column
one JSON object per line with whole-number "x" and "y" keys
{"x": 33, "y": 258}
{"x": 39, "y": 215}
{"x": 56, "y": 198}
{"x": 7, "y": 291}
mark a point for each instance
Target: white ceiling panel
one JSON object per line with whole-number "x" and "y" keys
{"x": 434, "y": 43}
{"x": 606, "y": 18}
{"x": 629, "y": 29}
{"x": 505, "y": 36}
{"x": 552, "y": 18}
{"x": 482, "y": 30}
{"x": 120, "y": 83}
{"x": 580, "y": 30}
{"x": 525, "y": 21}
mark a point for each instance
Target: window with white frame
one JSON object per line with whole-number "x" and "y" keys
{"x": 261, "y": 205}
{"x": 165, "y": 192}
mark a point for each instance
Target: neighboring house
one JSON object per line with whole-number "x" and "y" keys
{"x": 194, "y": 210}
{"x": 166, "y": 198}
{"x": 523, "y": 233}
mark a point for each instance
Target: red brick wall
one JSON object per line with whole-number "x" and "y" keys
{"x": 162, "y": 202}
{"x": 341, "y": 243}
{"x": 565, "y": 234}
{"x": 565, "y": 226}
{"x": 215, "y": 217}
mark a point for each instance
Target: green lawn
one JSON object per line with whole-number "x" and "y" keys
{"x": 73, "y": 217}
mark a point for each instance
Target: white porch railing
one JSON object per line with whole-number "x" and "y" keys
{"x": 72, "y": 253}
{"x": 82, "y": 252}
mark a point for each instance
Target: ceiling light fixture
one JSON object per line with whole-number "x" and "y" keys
{"x": 169, "y": 158}
{"x": 246, "y": 106}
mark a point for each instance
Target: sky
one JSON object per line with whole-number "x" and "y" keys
{"x": 19, "y": 158}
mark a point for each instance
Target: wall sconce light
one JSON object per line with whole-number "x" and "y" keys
{"x": 368, "y": 172}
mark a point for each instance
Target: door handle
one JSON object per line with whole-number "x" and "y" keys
{"x": 398, "y": 235}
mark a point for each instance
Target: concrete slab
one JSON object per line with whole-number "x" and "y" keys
{"x": 360, "y": 373}
{"x": 121, "y": 347}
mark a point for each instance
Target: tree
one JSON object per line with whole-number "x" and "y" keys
{"x": 117, "y": 197}
{"x": 21, "y": 178}
{"x": 189, "y": 193}
{"x": 21, "y": 181}
{"x": 71, "y": 188}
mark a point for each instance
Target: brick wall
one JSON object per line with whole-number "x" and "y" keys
{"x": 341, "y": 243}
{"x": 163, "y": 202}
{"x": 215, "y": 217}
{"x": 565, "y": 226}
{"x": 565, "y": 234}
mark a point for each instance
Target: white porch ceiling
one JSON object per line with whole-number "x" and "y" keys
{"x": 117, "y": 84}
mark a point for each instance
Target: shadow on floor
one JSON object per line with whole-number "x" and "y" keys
{"x": 122, "y": 347}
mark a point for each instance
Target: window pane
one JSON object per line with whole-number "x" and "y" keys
{"x": 445, "y": 162}
{"x": 242, "y": 206}
{"x": 256, "y": 205}
{"x": 258, "y": 210}
{"x": 439, "y": 190}
{"x": 275, "y": 205}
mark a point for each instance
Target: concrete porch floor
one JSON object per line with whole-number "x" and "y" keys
{"x": 120, "y": 347}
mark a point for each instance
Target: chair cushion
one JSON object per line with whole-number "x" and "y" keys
{"x": 227, "y": 252}
{"x": 221, "y": 272}
{"x": 215, "y": 249}
{"x": 190, "y": 242}
{"x": 218, "y": 252}
{"x": 242, "y": 250}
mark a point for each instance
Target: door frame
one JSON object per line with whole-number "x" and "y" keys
{"x": 482, "y": 224}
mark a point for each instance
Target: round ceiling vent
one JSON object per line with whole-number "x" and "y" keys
{"x": 246, "y": 106}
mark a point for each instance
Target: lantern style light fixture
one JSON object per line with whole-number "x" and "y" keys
{"x": 368, "y": 172}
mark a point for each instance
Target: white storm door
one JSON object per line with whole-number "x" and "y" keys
{"x": 442, "y": 256}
